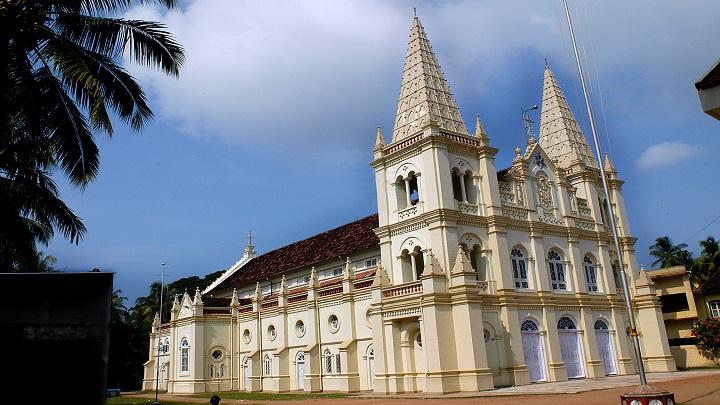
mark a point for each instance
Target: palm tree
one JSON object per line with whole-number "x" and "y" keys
{"x": 709, "y": 246}
{"x": 61, "y": 81}
{"x": 669, "y": 255}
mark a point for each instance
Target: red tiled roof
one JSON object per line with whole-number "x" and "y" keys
{"x": 339, "y": 242}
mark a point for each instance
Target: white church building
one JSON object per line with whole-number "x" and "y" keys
{"x": 467, "y": 278}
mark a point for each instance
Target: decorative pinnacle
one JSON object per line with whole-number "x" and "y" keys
{"x": 461, "y": 262}
{"x": 609, "y": 167}
{"x": 379, "y": 139}
{"x": 198, "y": 297}
{"x": 480, "y": 130}
{"x": 518, "y": 154}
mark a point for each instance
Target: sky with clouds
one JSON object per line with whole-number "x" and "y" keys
{"x": 271, "y": 123}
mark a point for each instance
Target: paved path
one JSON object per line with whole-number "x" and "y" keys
{"x": 691, "y": 387}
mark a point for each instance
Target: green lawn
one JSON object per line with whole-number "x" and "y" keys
{"x": 267, "y": 396}
{"x": 123, "y": 400}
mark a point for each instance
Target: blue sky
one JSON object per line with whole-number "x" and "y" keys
{"x": 271, "y": 124}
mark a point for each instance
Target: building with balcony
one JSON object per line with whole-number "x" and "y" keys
{"x": 682, "y": 304}
{"x": 467, "y": 278}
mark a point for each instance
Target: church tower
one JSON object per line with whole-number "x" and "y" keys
{"x": 434, "y": 183}
{"x": 432, "y": 170}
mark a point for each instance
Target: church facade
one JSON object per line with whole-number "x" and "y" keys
{"x": 467, "y": 278}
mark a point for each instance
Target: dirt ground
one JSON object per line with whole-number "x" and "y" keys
{"x": 702, "y": 390}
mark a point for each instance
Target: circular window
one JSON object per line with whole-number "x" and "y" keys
{"x": 246, "y": 335}
{"x": 216, "y": 354}
{"x": 333, "y": 323}
{"x": 300, "y": 328}
{"x": 272, "y": 334}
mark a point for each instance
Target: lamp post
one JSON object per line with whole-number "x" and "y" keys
{"x": 644, "y": 394}
{"x": 157, "y": 350}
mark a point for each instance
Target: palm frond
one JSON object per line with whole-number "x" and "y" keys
{"x": 150, "y": 44}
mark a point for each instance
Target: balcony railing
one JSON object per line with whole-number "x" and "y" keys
{"x": 402, "y": 290}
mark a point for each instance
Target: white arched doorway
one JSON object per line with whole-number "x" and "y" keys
{"x": 533, "y": 350}
{"x": 247, "y": 367}
{"x": 570, "y": 348}
{"x": 371, "y": 367}
{"x": 300, "y": 367}
{"x": 605, "y": 347}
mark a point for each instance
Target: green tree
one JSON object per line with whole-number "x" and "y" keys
{"x": 708, "y": 263}
{"x": 668, "y": 255}
{"x": 61, "y": 82}
{"x": 707, "y": 336}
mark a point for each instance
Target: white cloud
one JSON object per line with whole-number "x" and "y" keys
{"x": 322, "y": 74}
{"x": 667, "y": 154}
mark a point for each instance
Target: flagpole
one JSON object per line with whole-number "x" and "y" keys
{"x": 613, "y": 226}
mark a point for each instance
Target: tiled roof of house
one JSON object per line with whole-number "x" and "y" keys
{"x": 340, "y": 242}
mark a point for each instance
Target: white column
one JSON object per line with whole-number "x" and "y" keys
{"x": 412, "y": 263}
{"x": 407, "y": 190}
{"x": 462, "y": 188}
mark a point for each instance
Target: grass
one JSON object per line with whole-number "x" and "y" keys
{"x": 125, "y": 400}
{"x": 267, "y": 396}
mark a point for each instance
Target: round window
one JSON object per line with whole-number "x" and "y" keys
{"x": 333, "y": 323}
{"x": 246, "y": 335}
{"x": 300, "y": 328}
{"x": 271, "y": 332}
{"x": 216, "y": 354}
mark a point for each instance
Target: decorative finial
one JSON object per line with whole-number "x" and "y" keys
{"x": 546, "y": 63}
{"x": 249, "y": 236}
{"x": 415, "y": 11}
{"x": 518, "y": 154}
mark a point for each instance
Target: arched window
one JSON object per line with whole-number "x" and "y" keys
{"x": 413, "y": 263}
{"x": 407, "y": 190}
{"x": 463, "y": 186}
{"x": 590, "y": 274}
{"x": 268, "y": 365}
{"x": 529, "y": 326}
{"x": 477, "y": 262}
{"x": 338, "y": 369}
{"x": 616, "y": 277}
{"x": 184, "y": 354}
{"x": 565, "y": 323}
{"x": 600, "y": 325}
{"x": 327, "y": 355}
{"x": 714, "y": 309}
{"x": 557, "y": 271}
{"x": 166, "y": 347}
{"x": 519, "y": 266}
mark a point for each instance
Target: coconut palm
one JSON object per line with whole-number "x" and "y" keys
{"x": 667, "y": 254}
{"x": 61, "y": 82}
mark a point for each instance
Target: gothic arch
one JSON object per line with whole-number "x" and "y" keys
{"x": 410, "y": 243}
{"x": 462, "y": 166}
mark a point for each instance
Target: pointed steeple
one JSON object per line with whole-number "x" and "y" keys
{"x": 560, "y": 135}
{"x": 424, "y": 93}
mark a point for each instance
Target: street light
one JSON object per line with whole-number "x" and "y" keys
{"x": 157, "y": 351}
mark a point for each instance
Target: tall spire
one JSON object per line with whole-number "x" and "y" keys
{"x": 424, "y": 93}
{"x": 560, "y": 135}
